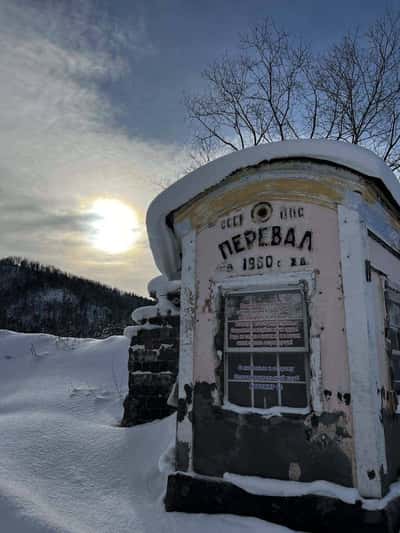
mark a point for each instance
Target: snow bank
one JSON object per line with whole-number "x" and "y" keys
{"x": 65, "y": 465}
{"x": 162, "y": 240}
{"x": 277, "y": 487}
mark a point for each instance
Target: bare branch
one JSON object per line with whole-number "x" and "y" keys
{"x": 273, "y": 88}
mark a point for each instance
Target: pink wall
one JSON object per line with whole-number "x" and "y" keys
{"x": 326, "y": 309}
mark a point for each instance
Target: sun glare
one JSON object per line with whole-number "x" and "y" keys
{"x": 115, "y": 227}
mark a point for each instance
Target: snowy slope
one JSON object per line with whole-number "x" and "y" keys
{"x": 65, "y": 465}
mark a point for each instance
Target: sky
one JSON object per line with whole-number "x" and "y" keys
{"x": 91, "y": 108}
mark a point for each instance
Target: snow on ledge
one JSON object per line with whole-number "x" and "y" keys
{"x": 163, "y": 308}
{"x": 161, "y": 286}
{"x": 266, "y": 413}
{"x": 282, "y": 488}
{"x": 163, "y": 243}
{"x": 132, "y": 331}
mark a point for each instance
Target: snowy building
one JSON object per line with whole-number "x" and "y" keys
{"x": 289, "y": 360}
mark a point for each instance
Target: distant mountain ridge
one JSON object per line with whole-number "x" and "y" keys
{"x": 42, "y": 298}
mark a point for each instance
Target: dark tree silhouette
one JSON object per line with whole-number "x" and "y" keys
{"x": 276, "y": 88}
{"x": 39, "y": 298}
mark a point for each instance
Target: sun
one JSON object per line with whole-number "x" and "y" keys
{"x": 114, "y": 228}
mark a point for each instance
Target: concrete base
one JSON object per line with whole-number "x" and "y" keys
{"x": 309, "y": 513}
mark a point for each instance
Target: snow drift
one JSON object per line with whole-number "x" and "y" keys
{"x": 65, "y": 464}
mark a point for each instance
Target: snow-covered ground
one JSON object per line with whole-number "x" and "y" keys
{"x": 65, "y": 465}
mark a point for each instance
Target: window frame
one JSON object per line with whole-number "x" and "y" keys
{"x": 392, "y": 296}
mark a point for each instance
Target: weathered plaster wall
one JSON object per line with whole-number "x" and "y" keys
{"x": 219, "y": 227}
{"x": 326, "y": 303}
{"x": 292, "y": 446}
{"x": 296, "y": 447}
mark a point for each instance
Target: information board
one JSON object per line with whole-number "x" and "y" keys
{"x": 266, "y": 348}
{"x": 273, "y": 319}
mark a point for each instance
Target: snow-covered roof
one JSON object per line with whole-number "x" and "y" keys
{"x": 163, "y": 242}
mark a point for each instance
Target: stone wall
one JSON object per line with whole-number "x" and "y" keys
{"x": 153, "y": 356}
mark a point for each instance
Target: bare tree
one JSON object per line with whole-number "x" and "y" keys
{"x": 359, "y": 86}
{"x": 252, "y": 98}
{"x": 275, "y": 88}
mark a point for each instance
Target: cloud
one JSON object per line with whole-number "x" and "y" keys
{"x": 61, "y": 145}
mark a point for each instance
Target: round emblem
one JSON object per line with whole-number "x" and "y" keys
{"x": 261, "y": 212}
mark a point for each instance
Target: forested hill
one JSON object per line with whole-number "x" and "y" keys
{"x": 39, "y": 298}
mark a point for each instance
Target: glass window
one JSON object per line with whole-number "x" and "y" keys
{"x": 394, "y": 336}
{"x": 266, "y": 348}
